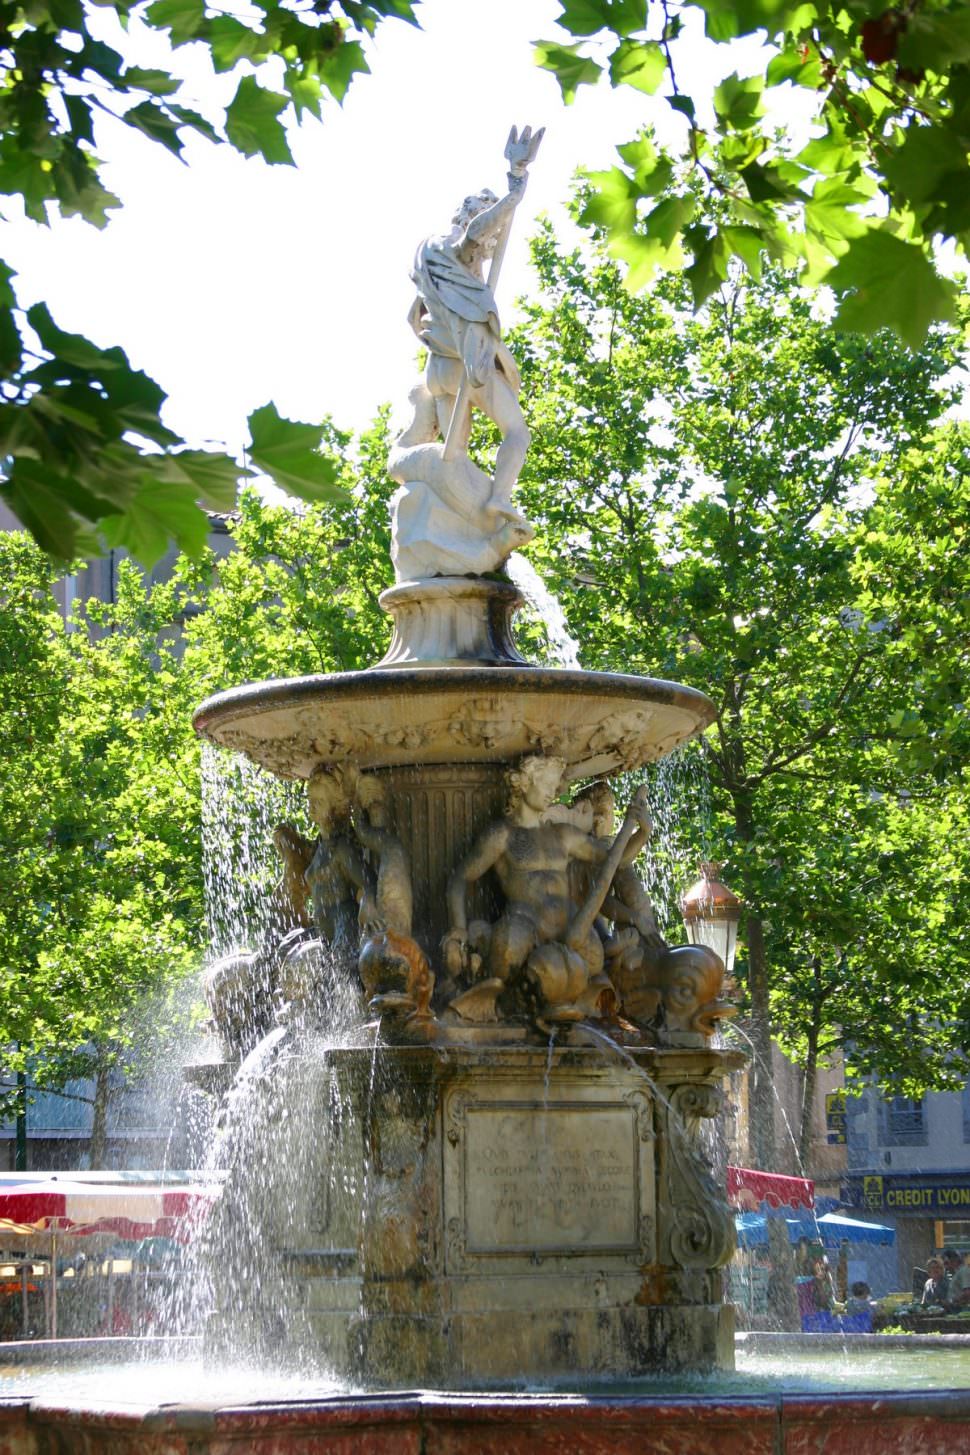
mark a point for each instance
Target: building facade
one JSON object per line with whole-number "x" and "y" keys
{"x": 909, "y": 1166}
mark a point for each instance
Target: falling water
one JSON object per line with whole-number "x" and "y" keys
{"x": 241, "y": 805}
{"x": 561, "y": 648}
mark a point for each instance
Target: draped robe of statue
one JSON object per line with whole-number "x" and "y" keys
{"x": 455, "y": 315}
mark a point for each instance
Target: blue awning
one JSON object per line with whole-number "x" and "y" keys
{"x": 831, "y": 1229}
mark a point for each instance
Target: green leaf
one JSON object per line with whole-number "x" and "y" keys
{"x": 157, "y": 513}
{"x": 638, "y": 64}
{"x": 767, "y": 184}
{"x": 709, "y": 268}
{"x": 286, "y": 451}
{"x": 187, "y": 117}
{"x": 737, "y": 100}
{"x": 613, "y": 203}
{"x": 936, "y": 39}
{"x": 183, "y": 18}
{"x": 339, "y": 67}
{"x": 79, "y": 115}
{"x": 927, "y": 154}
{"x": 7, "y": 296}
{"x": 72, "y": 348}
{"x": 893, "y": 285}
{"x": 44, "y": 512}
{"x": 684, "y": 105}
{"x": 47, "y": 503}
{"x": 727, "y": 19}
{"x": 642, "y": 256}
{"x": 11, "y": 348}
{"x": 669, "y": 218}
{"x": 159, "y": 83}
{"x": 652, "y": 172}
{"x": 214, "y": 478}
{"x": 794, "y": 66}
{"x": 570, "y": 68}
{"x": 747, "y": 243}
{"x": 588, "y": 17}
{"x": 305, "y": 92}
{"x": 251, "y": 123}
{"x": 231, "y": 41}
{"x": 156, "y": 122}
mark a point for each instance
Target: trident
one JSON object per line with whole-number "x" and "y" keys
{"x": 518, "y": 166}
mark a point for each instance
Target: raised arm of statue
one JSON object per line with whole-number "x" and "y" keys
{"x": 489, "y": 224}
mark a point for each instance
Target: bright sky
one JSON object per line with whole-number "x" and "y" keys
{"x": 232, "y": 282}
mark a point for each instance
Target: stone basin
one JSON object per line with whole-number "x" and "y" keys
{"x": 598, "y": 722}
{"x": 128, "y": 1411}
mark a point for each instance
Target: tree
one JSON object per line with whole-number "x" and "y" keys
{"x": 712, "y": 496}
{"x": 884, "y": 178}
{"x": 102, "y": 921}
{"x": 100, "y": 902}
{"x": 85, "y": 461}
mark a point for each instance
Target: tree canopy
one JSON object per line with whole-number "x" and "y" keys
{"x": 731, "y": 499}
{"x": 861, "y": 202}
{"x": 85, "y": 460}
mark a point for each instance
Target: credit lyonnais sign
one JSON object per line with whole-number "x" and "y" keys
{"x": 907, "y": 1194}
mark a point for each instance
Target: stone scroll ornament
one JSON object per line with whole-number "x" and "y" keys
{"x": 449, "y": 518}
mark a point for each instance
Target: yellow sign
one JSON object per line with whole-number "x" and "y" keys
{"x": 872, "y": 1192}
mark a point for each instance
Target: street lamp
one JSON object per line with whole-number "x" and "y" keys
{"x": 711, "y": 913}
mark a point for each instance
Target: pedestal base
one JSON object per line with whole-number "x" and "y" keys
{"x": 478, "y": 1217}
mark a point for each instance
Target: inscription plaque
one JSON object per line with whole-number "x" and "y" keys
{"x": 551, "y": 1179}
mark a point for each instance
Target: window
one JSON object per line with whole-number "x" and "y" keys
{"x": 903, "y": 1123}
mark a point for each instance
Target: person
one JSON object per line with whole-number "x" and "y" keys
{"x": 936, "y": 1289}
{"x": 456, "y": 319}
{"x": 822, "y": 1291}
{"x": 860, "y": 1299}
{"x": 960, "y": 1282}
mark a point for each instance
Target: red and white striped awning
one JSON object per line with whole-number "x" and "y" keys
{"x": 748, "y": 1189}
{"x": 128, "y": 1211}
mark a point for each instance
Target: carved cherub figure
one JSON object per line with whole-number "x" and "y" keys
{"x": 392, "y": 904}
{"x": 291, "y": 893}
{"x": 393, "y": 968}
{"x": 336, "y": 876}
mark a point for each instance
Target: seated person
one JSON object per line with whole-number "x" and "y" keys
{"x": 958, "y": 1285}
{"x": 936, "y": 1289}
{"x": 860, "y": 1299}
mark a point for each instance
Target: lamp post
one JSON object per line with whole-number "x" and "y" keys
{"x": 711, "y": 913}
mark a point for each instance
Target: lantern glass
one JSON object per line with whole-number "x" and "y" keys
{"x": 719, "y": 935}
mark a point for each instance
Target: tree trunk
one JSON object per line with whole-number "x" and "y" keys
{"x": 98, "y": 1145}
{"x": 761, "y": 1102}
{"x": 810, "y": 1077}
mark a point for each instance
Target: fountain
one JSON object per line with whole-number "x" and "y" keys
{"x": 468, "y": 1084}
{"x": 534, "y": 1206}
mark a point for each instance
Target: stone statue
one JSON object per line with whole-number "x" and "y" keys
{"x": 441, "y": 522}
{"x": 564, "y": 970}
{"x": 674, "y": 989}
{"x": 531, "y": 859}
{"x": 393, "y": 968}
{"x": 336, "y": 876}
{"x": 239, "y": 1001}
{"x": 449, "y": 518}
{"x": 296, "y": 853}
